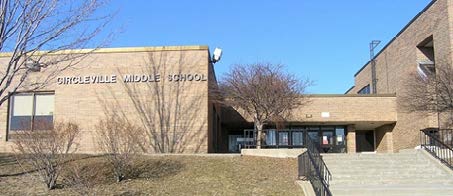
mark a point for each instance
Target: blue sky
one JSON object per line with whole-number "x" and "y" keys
{"x": 326, "y": 41}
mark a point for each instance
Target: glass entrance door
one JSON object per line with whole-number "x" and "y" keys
{"x": 313, "y": 133}
{"x": 327, "y": 138}
{"x": 330, "y": 139}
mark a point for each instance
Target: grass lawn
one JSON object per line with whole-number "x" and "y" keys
{"x": 167, "y": 175}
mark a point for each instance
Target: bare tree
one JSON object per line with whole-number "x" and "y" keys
{"x": 46, "y": 150}
{"x": 263, "y": 91}
{"x": 33, "y": 30}
{"x": 431, "y": 92}
{"x": 120, "y": 140}
{"x": 168, "y": 117}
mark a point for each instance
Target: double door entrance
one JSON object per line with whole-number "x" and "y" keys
{"x": 331, "y": 139}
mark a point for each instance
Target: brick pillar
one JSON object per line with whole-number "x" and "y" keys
{"x": 350, "y": 139}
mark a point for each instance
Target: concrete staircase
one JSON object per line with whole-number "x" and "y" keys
{"x": 411, "y": 172}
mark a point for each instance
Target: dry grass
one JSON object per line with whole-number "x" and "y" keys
{"x": 167, "y": 175}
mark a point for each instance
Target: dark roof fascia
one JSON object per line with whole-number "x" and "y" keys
{"x": 350, "y": 95}
{"x": 349, "y": 90}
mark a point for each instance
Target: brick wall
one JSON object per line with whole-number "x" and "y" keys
{"x": 345, "y": 108}
{"x": 186, "y": 103}
{"x": 396, "y": 63}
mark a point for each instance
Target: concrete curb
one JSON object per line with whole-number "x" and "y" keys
{"x": 274, "y": 153}
{"x": 195, "y": 155}
{"x": 306, "y": 187}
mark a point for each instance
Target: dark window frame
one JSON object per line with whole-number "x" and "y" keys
{"x": 365, "y": 90}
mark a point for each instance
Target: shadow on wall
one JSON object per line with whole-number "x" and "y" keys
{"x": 168, "y": 111}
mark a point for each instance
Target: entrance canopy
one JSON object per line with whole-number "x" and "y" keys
{"x": 324, "y": 117}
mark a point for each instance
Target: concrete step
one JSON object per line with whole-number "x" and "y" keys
{"x": 365, "y": 182}
{"x": 373, "y": 159}
{"x": 346, "y": 161}
{"x": 371, "y": 156}
{"x": 388, "y": 175}
{"x": 393, "y": 190}
{"x": 408, "y": 151}
{"x": 351, "y": 172}
{"x": 358, "y": 167}
{"x": 389, "y": 160}
{"x": 339, "y": 157}
{"x": 367, "y": 154}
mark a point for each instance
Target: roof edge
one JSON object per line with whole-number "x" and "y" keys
{"x": 117, "y": 50}
{"x": 350, "y": 95}
{"x": 352, "y": 87}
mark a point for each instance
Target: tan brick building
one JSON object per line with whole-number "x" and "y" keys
{"x": 167, "y": 91}
{"x": 160, "y": 88}
{"x": 423, "y": 44}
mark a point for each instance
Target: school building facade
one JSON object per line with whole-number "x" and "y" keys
{"x": 169, "y": 88}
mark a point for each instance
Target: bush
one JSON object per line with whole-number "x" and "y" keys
{"x": 120, "y": 140}
{"x": 46, "y": 150}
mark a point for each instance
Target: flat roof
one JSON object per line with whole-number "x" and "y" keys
{"x": 351, "y": 95}
{"x": 397, "y": 35}
{"x": 118, "y": 50}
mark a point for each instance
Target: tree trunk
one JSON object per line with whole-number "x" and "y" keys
{"x": 119, "y": 178}
{"x": 51, "y": 183}
{"x": 259, "y": 129}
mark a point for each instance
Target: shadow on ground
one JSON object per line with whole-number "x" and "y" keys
{"x": 97, "y": 168}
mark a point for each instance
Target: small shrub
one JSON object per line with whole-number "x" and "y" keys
{"x": 46, "y": 150}
{"x": 120, "y": 140}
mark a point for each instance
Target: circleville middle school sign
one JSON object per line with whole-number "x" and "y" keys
{"x": 129, "y": 78}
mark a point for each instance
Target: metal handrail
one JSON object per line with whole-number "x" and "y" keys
{"x": 435, "y": 145}
{"x": 313, "y": 168}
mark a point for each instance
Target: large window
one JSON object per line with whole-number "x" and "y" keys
{"x": 31, "y": 111}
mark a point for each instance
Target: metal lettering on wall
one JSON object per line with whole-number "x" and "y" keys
{"x": 130, "y": 78}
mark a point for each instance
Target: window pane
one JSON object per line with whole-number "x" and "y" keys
{"x": 20, "y": 123}
{"x": 327, "y": 137}
{"x": 339, "y": 132}
{"x": 44, "y": 105}
{"x": 365, "y": 90}
{"x": 43, "y": 123}
{"x": 270, "y": 138}
{"x": 314, "y": 136}
{"x": 22, "y": 105}
{"x": 283, "y": 138}
{"x": 298, "y": 138}
{"x": 21, "y": 112}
